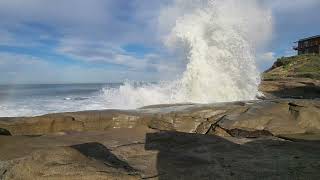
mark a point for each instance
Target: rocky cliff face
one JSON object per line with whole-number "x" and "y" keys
{"x": 293, "y": 77}
{"x": 278, "y": 139}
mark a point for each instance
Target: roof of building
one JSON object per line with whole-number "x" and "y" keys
{"x": 308, "y": 38}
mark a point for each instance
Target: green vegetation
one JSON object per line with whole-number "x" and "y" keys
{"x": 302, "y": 66}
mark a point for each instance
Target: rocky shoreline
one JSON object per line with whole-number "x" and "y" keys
{"x": 277, "y": 137}
{"x": 263, "y": 139}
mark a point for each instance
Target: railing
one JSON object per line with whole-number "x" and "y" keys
{"x": 295, "y": 48}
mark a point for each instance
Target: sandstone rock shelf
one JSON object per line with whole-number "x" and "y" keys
{"x": 270, "y": 139}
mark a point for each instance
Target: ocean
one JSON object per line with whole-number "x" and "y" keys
{"x": 38, "y": 99}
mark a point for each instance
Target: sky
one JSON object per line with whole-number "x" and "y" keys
{"x": 98, "y": 41}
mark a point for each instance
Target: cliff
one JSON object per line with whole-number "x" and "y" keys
{"x": 302, "y": 66}
{"x": 293, "y": 77}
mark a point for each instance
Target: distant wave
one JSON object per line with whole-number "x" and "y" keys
{"x": 76, "y": 98}
{"x": 43, "y": 99}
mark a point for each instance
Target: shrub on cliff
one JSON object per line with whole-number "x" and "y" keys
{"x": 302, "y": 66}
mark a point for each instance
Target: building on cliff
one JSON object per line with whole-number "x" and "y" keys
{"x": 310, "y": 45}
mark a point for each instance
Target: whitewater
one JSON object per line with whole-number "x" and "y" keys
{"x": 220, "y": 38}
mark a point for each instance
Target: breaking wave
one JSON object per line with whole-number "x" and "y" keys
{"x": 220, "y": 38}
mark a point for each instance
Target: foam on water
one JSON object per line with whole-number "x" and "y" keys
{"x": 32, "y": 100}
{"x": 220, "y": 37}
{"x": 34, "y": 107}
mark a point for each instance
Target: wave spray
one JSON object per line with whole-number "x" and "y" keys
{"x": 220, "y": 38}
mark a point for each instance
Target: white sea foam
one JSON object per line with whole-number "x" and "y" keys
{"x": 220, "y": 37}
{"x": 45, "y": 105}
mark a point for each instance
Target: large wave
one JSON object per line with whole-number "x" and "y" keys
{"x": 220, "y": 38}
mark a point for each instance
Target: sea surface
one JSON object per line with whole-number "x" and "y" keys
{"x": 38, "y": 99}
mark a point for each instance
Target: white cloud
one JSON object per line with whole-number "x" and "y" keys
{"x": 265, "y": 60}
{"x": 28, "y": 69}
{"x": 88, "y": 50}
{"x": 266, "y": 57}
{"x": 113, "y": 21}
{"x": 58, "y": 12}
{"x": 291, "y": 5}
{"x": 19, "y": 60}
{"x": 99, "y": 52}
{"x": 92, "y": 31}
{"x": 102, "y": 52}
{"x": 5, "y": 37}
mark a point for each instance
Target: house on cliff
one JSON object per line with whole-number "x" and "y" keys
{"x": 310, "y": 45}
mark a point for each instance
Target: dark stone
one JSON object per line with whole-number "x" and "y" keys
{"x": 4, "y": 132}
{"x": 249, "y": 134}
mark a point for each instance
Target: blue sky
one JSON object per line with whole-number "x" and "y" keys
{"x": 64, "y": 41}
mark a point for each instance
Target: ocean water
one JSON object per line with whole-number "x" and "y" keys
{"x": 31, "y": 100}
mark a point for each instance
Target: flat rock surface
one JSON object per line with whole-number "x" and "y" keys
{"x": 270, "y": 139}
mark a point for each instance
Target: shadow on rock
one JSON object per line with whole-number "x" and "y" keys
{"x": 195, "y": 156}
{"x": 101, "y": 153}
{"x": 4, "y": 132}
{"x": 291, "y": 88}
{"x": 307, "y": 92}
